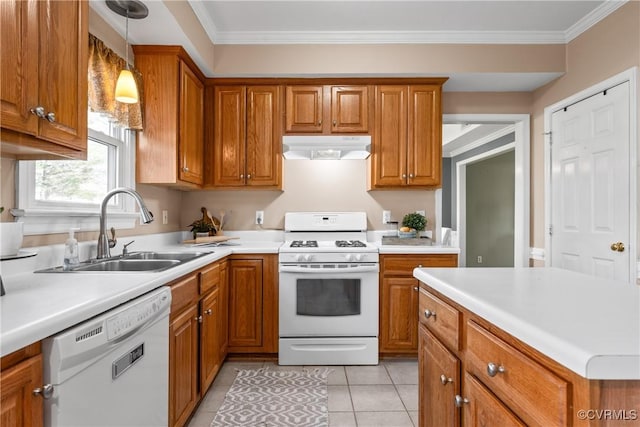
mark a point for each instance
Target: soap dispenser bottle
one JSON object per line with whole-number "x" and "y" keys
{"x": 70, "y": 251}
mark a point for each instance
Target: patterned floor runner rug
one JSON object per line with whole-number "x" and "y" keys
{"x": 263, "y": 398}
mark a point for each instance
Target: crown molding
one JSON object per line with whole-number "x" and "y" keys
{"x": 203, "y": 16}
{"x": 390, "y": 37}
{"x": 595, "y": 16}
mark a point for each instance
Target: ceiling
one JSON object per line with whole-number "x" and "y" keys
{"x": 376, "y": 21}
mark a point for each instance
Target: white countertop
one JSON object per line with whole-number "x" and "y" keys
{"x": 415, "y": 249}
{"x": 589, "y": 325}
{"x": 38, "y": 305}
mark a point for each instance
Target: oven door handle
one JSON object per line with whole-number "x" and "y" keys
{"x": 308, "y": 270}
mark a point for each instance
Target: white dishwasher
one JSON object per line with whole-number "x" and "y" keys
{"x": 112, "y": 370}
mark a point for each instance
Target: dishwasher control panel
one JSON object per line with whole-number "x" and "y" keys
{"x": 138, "y": 314}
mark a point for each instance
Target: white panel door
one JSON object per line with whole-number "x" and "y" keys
{"x": 590, "y": 185}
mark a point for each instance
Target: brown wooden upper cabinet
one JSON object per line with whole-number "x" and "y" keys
{"x": 247, "y": 137}
{"x": 170, "y": 148}
{"x": 407, "y": 140}
{"x": 44, "y": 64}
{"x": 327, "y": 109}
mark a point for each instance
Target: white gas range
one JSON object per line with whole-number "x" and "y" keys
{"x": 328, "y": 294}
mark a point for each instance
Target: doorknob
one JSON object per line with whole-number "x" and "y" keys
{"x": 617, "y": 247}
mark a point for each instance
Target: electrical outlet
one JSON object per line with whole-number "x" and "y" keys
{"x": 386, "y": 217}
{"x": 421, "y": 213}
{"x": 165, "y": 217}
{"x": 259, "y": 217}
{"x": 479, "y": 259}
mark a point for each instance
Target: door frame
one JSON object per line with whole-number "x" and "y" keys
{"x": 522, "y": 126}
{"x": 629, "y": 75}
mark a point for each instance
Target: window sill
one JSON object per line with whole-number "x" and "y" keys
{"x": 37, "y": 221}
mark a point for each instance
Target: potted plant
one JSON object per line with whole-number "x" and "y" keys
{"x": 202, "y": 228}
{"x": 412, "y": 223}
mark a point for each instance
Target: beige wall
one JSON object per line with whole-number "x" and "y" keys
{"x": 608, "y": 48}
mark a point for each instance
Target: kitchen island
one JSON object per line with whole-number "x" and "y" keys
{"x": 540, "y": 346}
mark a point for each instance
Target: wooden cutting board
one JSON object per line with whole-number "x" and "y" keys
{"x": 211, "y": 239}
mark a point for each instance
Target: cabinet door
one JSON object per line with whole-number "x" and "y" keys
{"x": 224, "y": 311}
{"x": 245, "y": 303}
{"x": 183, "y": 366}
{"x": 19, "y": 406}
{"x": 439, "y": 373}
{"x": 424, "y": 136}
{"x": 264, "y": 139}
{"x": 389, "y": 151}
{"x": 398, "y": 317}
{"x": 229, "y": 136}
{"x": 191, "y": 142}
{"x": 19, "y": 65}
{"x": 64, "y": 40}
{"x": 209, "y": 339}
{"x": 303, "y": 110}
{"x": 483, "y": 409}
{"x": 349, "y": 109}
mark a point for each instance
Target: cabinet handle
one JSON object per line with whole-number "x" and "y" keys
{"x": 460, "y": 401}
{"x": 428, "y": 313}
{"x": 249, "y": 176}
{"x": 335, "y": 123}
{"x": 415, "y": 288}
{"x": 419, "y": 266}
{"x": 198, "y": 318}
{"x": 404, "y": 175}
{"x": 319, "y": 122}
{"x": 38, "y": 111}
{"x": 185, "y": 169}
{"x": 51, "y": 117}
{"x": 444, "y": 380}
{"x": 410, "y": 175}
{"x": 241, "y": 176}
{"x": 208, "y": 312}
{"x": 493, "y": 369}
{"x": 46, "y": 391}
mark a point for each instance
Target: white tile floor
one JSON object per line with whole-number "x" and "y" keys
{"x": 363, "y": 396}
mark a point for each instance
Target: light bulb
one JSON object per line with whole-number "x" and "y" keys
{"x": 126, "y": 89}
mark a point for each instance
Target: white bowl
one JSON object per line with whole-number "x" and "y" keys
{"x": 10, "y": 238}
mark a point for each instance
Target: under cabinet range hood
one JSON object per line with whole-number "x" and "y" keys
{"x": 326, "y": 147}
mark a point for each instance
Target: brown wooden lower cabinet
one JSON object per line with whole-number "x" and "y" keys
{"x": 183, "y": 366}
{"x": 253, "y": 304}
{"x": 504, "y": 381}
{"x": 21, "y": 375}
{"x": 399, "y": 300}
{"x": 197, "y": 331}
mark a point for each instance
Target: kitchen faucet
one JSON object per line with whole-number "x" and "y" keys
{"x": 104, "y": 243}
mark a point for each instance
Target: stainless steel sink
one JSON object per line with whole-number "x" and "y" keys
{"x": 129, "y": 265}
{"x": 133, "y": 262}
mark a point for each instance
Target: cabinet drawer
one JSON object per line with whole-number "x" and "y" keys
{"x": 441, "y": 319}
{"x": 210, "y": 278}
{"x": 535, "y": 394}
{"x": 404, "y": 265}
{"x": 183, "y": 292}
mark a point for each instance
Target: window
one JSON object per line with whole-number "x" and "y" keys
{"x": 55, "y": 195}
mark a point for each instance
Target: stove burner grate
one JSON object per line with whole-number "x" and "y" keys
{"x": 304, "y": 244}
{"x": 350, "y": 244}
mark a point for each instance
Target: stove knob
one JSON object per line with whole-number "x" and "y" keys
{"x": 348, "y": 257}
{"x": 308, "y": 257}
{"x": 299, "y": 257}
{"x": 358, "y": 257}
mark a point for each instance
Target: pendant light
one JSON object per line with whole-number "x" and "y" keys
{"x": 126, "y": 88}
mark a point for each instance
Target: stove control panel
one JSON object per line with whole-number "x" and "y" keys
{"x": 334, "y": 257}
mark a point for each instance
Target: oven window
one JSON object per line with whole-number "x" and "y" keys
{"x": 328, "y": 297}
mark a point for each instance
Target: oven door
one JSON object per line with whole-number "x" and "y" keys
{"x": 328, "y": 300}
